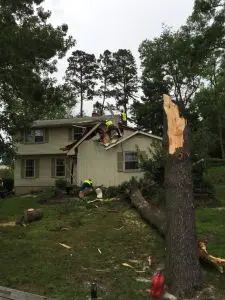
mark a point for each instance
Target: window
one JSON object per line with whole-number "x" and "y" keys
{"x": 39, "y": 136}
{"x": 29, "y": 137}
{"x": 131, "y": 161}
{"x": 77, "y": 133}
{"x": 35, "y": 136}
{"x": 60, "y": 167}
{"x": 29, "y": 168}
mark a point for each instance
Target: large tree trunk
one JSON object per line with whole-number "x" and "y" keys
{"x": 184, "y": 273}
{"x": 220, "y": 128}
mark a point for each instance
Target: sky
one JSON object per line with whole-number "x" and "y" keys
{"x": 98, "y": 25}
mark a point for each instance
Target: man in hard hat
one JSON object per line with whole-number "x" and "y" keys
{"x": 86, "y": 187}
{"x": 110, "y": 127}
{"x": 123, "y": 117}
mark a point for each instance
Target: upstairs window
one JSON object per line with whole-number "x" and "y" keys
{"x": 39, "y": 136}
{"x": 60, "y": 167}
{"x": 131, "y": 161}
{"x": 36, "y": 136}
{"x": 77, "y": 133}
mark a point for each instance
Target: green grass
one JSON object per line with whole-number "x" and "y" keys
{"x": 32, "y": 260}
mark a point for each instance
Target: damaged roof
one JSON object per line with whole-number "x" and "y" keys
{"x": 73, "y": 121}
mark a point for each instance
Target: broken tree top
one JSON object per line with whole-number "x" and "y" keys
{"x": 175, "y": 125}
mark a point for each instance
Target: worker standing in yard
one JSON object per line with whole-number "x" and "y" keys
{"x": 86, "y": 184}
{"x": 86, "y": 187}
{"x": 123, "y": 117}
{"x": 110, "y": 127}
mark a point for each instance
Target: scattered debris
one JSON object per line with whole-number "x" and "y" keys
{"x": 150, "y": 260}
{"x": 168, "y": 296}
{"x": 65, "y": 246}
{"x": 216, "y": 261}
{"x": 99, "y": 250}
{"x": 118, "y": 228}
{"x": 99, "y": 193}
{"x": 142, "y": 279}
{"x": 134, "y": 261}
{"x": 9, "y": 224}
{"x": 127, "y": 265}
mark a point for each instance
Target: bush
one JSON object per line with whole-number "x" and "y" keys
{"x": 8, "y": 184}
{"x": 215, "y": 175}
{"x": 47, "y": 194}
{"x": 61, "y": 184}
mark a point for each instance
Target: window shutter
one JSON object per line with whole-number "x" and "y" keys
{"x": 37, "y": 167}
{"x": 67, "y": 168}
{"x": 53, "y": 167}
{"x": 120, "y": 161}
{"x": 46, "y": 135}
{"x": 22, "y": 168}
{"x": 70, "y": 134}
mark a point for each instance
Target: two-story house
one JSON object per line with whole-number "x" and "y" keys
{"x": 69, "y": 149}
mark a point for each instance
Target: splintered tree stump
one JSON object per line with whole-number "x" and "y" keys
{"x": 182, "y": 264}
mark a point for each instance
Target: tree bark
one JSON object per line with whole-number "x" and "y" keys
{"x": 221, "y": 137}
{"x": 184, "y": 273}
{"x": 148, "y": 212}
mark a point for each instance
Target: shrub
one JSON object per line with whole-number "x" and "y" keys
{"x": 47, "y": 194}
{"x": 8, "y": 184}
{"x": 215, "y": 175}
{"x": 61, "y": 184}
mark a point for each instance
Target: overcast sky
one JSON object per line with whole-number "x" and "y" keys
{"x": 98, "y": 25}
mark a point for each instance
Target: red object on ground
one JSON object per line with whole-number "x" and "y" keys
{"x": 157, "y": 285}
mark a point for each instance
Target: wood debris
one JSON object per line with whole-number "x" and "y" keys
{"x": 65, "y": 246}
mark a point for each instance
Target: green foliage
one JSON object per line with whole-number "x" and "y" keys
{"x": 61, "y": 184}
{"x": 154, "y": 165}
{"x": 216, "y": 175}
{"x": 106, "y": 78}
{"x": 8, "y": 184}
{"x": 6, "y": 173}
{"x": 81, "y": 76}
{"x": 27, "y": 58}
{"x": 124, "y": 77}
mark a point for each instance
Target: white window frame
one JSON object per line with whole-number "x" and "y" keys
{"x": 73, "y": 132}
{"x": 25, "y": 169}
{"x": 43, "y": 136}
{"x": 124, "y": 162}
{"x": 64, "y": 167}
{"x": 32, "y": 133}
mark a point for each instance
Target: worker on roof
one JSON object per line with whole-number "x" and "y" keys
{"x": 110, "y": 127}
{"x": 123, "y": 117}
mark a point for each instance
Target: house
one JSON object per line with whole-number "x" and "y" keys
{"x": 76, "y": 149}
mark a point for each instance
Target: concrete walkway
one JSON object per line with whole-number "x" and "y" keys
{"x": 10, "y": 294}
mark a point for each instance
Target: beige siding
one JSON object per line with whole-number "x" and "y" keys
{"x": 24, "y": 185}
{"x": 58, "y": 138}
{"x": 101, "y": 165}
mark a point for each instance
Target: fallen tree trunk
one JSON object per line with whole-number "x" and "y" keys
{"x": 150, "y": 214}
{"x": 157, "y": 219}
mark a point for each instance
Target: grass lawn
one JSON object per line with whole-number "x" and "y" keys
{"x": 31, "y": 259}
